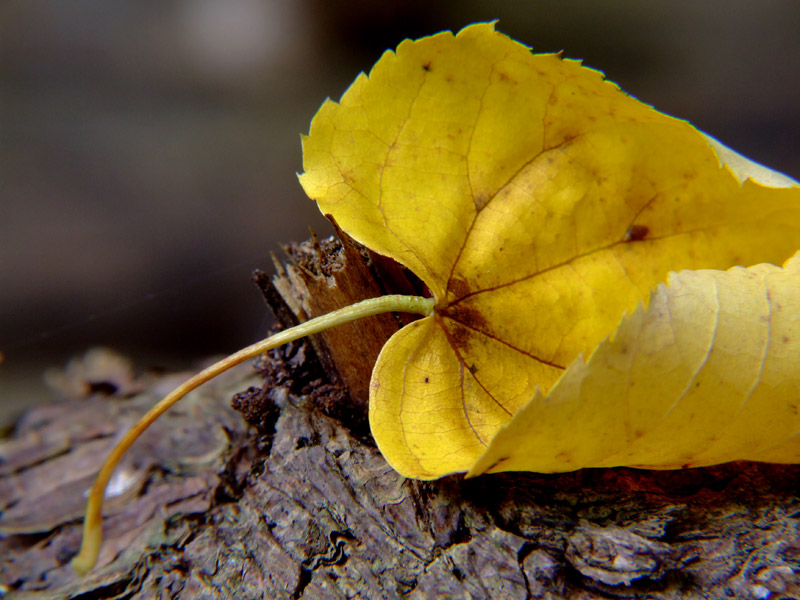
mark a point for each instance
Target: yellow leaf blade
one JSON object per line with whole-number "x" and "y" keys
{"x": 707, "y": 374}
{"x": 411, "y": 121}
{"x": 419, "y": 373}
{"x": 538, "y": 202}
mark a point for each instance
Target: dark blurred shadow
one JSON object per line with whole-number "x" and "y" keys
{"x": 148, "y": 150}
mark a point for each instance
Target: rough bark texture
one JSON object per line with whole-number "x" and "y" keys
{"x": 300, "y": 504}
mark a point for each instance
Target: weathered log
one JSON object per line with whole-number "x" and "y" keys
{"x": 300, "y": 504}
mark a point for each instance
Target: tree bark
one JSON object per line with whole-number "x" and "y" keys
{"x": 300, "y": 503}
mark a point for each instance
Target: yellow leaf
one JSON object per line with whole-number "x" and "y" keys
{"x": 539, "y": 203}
{"x": 707, "y": 374}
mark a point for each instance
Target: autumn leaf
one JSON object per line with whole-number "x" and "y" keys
{"x": 539, "y": 203}
{"x": 707, "y": 374}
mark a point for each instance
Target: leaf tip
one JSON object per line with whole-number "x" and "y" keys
{"x": 742, "y": 168}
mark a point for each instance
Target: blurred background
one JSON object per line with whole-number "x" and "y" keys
{"x": 148, "y": 148}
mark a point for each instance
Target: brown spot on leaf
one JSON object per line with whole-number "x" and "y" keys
{"x": 481, "y": 200}
{"x": 636, "y": 233}
{"x": 427, "y": 67}
{"x": 467, "y": 316}
{"x": 459, "y": 287}
{"x": 459, "y": 336}
{"x": 506, "y": 77}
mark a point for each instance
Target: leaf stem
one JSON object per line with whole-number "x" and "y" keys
{"x": 92, "y": 524}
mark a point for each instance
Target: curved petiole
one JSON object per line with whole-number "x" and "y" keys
{"x": 92, "y": 524}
